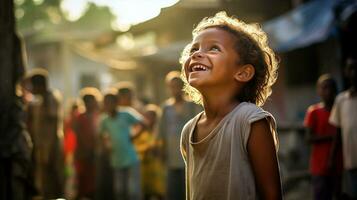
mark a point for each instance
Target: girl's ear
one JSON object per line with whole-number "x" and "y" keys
{"x": 245, "y": 73}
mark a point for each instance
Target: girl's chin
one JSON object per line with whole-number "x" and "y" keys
{"x": 196, "y": 84}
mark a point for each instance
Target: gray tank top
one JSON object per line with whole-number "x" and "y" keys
{"x": 217, "y": 167}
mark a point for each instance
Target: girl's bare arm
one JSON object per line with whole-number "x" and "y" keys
{"x": 263, "y": 158}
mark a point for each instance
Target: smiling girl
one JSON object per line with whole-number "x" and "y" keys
{"x": 230, "y": 149}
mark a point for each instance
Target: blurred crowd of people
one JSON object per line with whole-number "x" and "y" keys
{"x": 332, "y": 132}
{"x": 108, "y": 145}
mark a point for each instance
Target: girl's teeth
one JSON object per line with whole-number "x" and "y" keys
{"x": 200, "y": 68}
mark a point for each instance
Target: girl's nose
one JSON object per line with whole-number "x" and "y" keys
{"x": 197, "y": 54}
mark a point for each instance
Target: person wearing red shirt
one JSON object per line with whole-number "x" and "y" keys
{"x": 326, "y": 151}
{"x": 85, "y": 127}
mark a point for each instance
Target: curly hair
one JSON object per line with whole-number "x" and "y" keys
{"x": 251, "y": 44}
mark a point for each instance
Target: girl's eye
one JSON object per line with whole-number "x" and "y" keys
{"x": 193, "y": 49}
{"x": 215, "y": 48}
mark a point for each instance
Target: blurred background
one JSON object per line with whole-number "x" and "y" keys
{"x": 98, "y": 43}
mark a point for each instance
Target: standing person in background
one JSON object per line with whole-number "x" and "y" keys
{"x": 176, "y": 111}
{"x": 69, "y": 149}
{"x": 126, "y": 96}
{"x": 148, "y": 146}
{"x": 343, "y": 116}
{"x": 326, "y": 159}
{"x": 44, "y": 125}
{"x": 127, "y": 100}
{"x": 125, "y": 162}
{"x": 104, "y": 171}
{"x": 86, "y": 127}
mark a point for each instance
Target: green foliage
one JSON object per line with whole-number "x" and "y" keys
{"x": 31, "y": 15}
{"x": 46, "y": 16}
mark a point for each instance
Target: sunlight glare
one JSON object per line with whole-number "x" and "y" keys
{"x": 37, "y": 2}
{"x": 126, "y": 41}
{"x": 19, "y": 2}
{"x": 126, "y": 12}
{"x": 74, "y": 10}
{"x": 19, "y": 13}
{"x": 118, "y": 26}
{"x": 166, "y": 3}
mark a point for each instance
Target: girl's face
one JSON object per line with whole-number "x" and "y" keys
{"x": 213, "y": 60}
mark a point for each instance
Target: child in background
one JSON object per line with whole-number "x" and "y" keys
{"x": 127, "y": 97}
{"x": 104, "y": 171}
{"x": 230, "y": 149}
{"x": 343, "y": 116}
{"x": 44, "y": 125}
{"x": 127, "y": 100}
{"x": 148, "y": 147}
{"x": 326, "y": 159}
{"x": 86, "y": 127}
{"x": 69, "y": 149}
{"x": 125, "y": 161}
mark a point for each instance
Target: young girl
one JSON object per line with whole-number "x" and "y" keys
{"x": 230, "y": 149}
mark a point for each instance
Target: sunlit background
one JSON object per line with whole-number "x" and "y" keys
{"x": 99, "y": 42}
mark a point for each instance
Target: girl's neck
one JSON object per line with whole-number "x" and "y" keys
{"x": 219, "y": 107}
{"x": 217, "y": 102}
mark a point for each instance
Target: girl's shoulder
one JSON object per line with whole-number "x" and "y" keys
{"x": 191, "y": 124}
{"x": 247, "y": 110}
{"x": 247, "y": 113}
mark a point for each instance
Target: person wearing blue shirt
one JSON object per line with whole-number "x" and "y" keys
{"x": 125, "y": 162}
